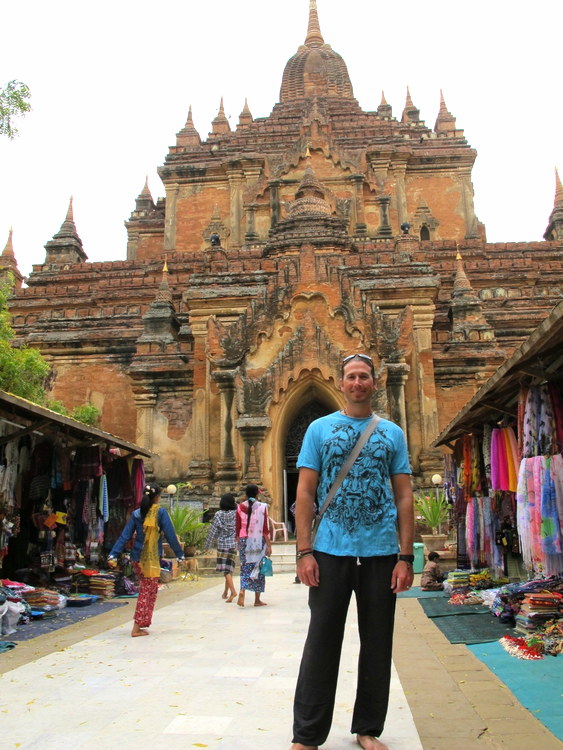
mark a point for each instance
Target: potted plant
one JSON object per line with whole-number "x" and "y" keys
{"x": 432, "y": 508}
{"x": 189, "y": 528}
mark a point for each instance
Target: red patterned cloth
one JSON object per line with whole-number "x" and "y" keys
{"x": 148, "y": 589}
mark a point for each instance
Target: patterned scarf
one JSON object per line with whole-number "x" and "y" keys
{"x": 255, "y": 531}
{"x": 150, "y": 561}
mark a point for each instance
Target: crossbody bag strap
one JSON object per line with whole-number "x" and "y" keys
{"x": 347, "y": 465}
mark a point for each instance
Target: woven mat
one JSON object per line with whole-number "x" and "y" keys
{"x": 66, "y": 616}
{"x": 481, "y": 628}
{"x": 417, "y": 593}
{"x": 442, "y": 608}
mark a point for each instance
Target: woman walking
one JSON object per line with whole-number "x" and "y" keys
{"x": 146, "y": 524}
{"x": 223, "y": 529}
{"x": 253, "y": 536}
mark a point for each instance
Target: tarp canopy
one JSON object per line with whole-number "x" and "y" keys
{"x": 538, "y": 359}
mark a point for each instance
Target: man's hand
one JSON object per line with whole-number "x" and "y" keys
{"x": 112, "y": 563}
{"x": 308, "y": 570}
{"x": 402, "y": 577}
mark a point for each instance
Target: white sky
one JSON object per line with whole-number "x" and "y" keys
{"x": 111, "y": 84}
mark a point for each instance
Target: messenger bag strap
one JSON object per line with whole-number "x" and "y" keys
{"x": 347, "y": 465}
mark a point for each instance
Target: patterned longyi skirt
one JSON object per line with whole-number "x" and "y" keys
{"x": 246, "y": 582}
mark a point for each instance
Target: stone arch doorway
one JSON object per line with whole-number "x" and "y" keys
{"x": 295, "y": 434}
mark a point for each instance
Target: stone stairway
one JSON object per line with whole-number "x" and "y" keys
{"x": 283, "y": 560}
{"x": 283, "y": 557}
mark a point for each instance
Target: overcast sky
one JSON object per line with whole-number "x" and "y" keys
{"x": 112, "y": 82}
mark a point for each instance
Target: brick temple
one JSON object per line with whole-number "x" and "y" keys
{"x": 280, "y": 247}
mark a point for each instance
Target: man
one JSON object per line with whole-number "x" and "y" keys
{"x": 355, "y": 550}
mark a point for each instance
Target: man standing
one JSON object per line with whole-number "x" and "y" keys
{"x": 369, "y": 520}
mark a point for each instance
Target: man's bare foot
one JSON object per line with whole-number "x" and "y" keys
{"x": 137, "y": 631}
{"x": 231, "y": 597}
{"x": 224, "y": 595}
{"x": 260, "y": 603}
{"x": 240, "y": 600}
{"x": 370, "y": 743}
{"x": 299, "y": 746}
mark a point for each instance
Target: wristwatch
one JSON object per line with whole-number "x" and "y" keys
{"x": 406, "y": 558}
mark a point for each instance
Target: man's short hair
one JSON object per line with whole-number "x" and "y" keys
{"x": 363, "y": 358}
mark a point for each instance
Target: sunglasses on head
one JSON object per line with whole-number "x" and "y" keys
{"x": 363, "y": 357}
{"x": 360, "y": 356}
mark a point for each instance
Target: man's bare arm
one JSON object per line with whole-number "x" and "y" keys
{"x": 402, "y": 490}
{"x": 307, "y": 568}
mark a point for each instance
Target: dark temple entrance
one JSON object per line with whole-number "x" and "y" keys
{"x": 295, "y": 435}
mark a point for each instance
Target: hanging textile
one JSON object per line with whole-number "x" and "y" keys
{"x": 539, "y": 427}
{"x": 88, "y": 462}
{"x": 103, "y": 503}
{"x": 538, "y": 512}
{"x": 481, "y": 527}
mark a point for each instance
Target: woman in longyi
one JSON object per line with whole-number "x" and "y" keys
{"x": 147, "y": 524}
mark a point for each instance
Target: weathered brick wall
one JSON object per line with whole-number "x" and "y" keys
{"x": 107, "y": 388}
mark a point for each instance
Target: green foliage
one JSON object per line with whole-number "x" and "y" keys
{"x": 22, "y": 369}
{"x": 187, "y": 525}
{"x": 432, "y": 507}
{"x": 57, "y": 406}
{"x": 86, "y": 413}
{"x": 13, "y": 103}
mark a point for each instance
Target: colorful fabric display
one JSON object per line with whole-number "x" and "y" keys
{"x": 539, "y": 425}
{"x": 481, "y": 526}
{"x": 540, "y": 512}
{"x": 504, "y": 459}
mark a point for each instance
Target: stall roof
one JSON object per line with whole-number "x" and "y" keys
{"x": 539, "y": 358}
{"x": 26, "y": 417}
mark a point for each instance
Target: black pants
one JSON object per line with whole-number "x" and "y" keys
{"x": 318, "y": 675}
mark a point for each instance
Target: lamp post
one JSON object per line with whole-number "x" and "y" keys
{"x": 171, "y": 491}
{"x": 437, "y": 480}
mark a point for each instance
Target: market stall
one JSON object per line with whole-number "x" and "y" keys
{"x": 506, "y": 462}
{"x": 65, "y": 489}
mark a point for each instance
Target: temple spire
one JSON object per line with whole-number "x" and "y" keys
{"x": 558, "y": 190}
{"x": 462, "y": 285}
{"x": 9, "y": 249}
{"x": 164, "y": 293}
{"x": 554, "y": 229}
{"x": 384, "y": 110}
{"x": 410, "y": 112}
{"x": 220, "y": 124}
{"x": 245, "y": 117}
{"x": 146, "y": 193}
{"x": 66, "y": 245}
{"x": 144, "y": 201}
{"x": 468, "y": 325}
{"x": 8, "y": 264}
{"x": 445, "y": 121}
{"x": 188, "y": 136}
{"x": 314, "y": 36}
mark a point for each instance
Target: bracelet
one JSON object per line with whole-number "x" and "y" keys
{"x": 304, "y": 553}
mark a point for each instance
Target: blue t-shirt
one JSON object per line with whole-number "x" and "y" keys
{"x": 361, "y": 520}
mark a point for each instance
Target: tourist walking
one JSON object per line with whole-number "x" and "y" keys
{"x": 146, "y": 524}
{"x": 222, "y": 535}
{"x": 253, "y": 537}
{"x": 368, "y": 521}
